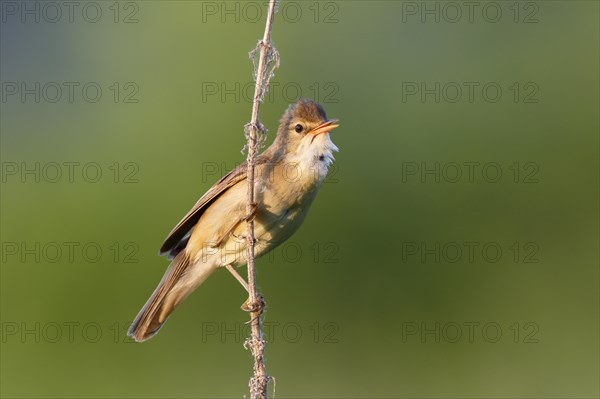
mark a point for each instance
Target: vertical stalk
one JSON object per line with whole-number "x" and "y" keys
{"x": 260, "y": 379}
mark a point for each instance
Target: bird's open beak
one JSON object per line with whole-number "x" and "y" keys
{"x": 325, "y": 127}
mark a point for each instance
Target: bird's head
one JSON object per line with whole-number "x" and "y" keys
{"x": 304, "y": 127}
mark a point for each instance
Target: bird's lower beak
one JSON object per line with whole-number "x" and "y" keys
{"x": 325, "y": 127}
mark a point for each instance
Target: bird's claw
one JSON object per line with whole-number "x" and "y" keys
{"x": 252, "y": 213}
{"x": 258, "y": 306}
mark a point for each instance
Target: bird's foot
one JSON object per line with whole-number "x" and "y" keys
{"x": 243, "y": 238}
{"x": 254, "y": 307}
{"x": 252, "y": 213}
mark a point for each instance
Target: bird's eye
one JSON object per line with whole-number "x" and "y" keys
{"x": 298, "y": 128}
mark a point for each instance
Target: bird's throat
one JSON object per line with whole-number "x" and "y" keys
{"x": 313, "y": 158}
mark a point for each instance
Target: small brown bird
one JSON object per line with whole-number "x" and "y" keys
{"x": 288, "y": 176}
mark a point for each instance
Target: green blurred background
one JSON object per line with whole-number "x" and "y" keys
{"x": 369, "y": 298}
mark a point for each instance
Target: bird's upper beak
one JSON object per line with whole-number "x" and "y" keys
{"x": 324, "y": 127}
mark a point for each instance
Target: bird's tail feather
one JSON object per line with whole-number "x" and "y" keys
{"x": 180, "y": 279}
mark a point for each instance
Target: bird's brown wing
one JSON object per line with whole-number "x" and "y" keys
{"x": 177, "y": 238}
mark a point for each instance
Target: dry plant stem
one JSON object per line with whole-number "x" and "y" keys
{"x": 260, "y": 379}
